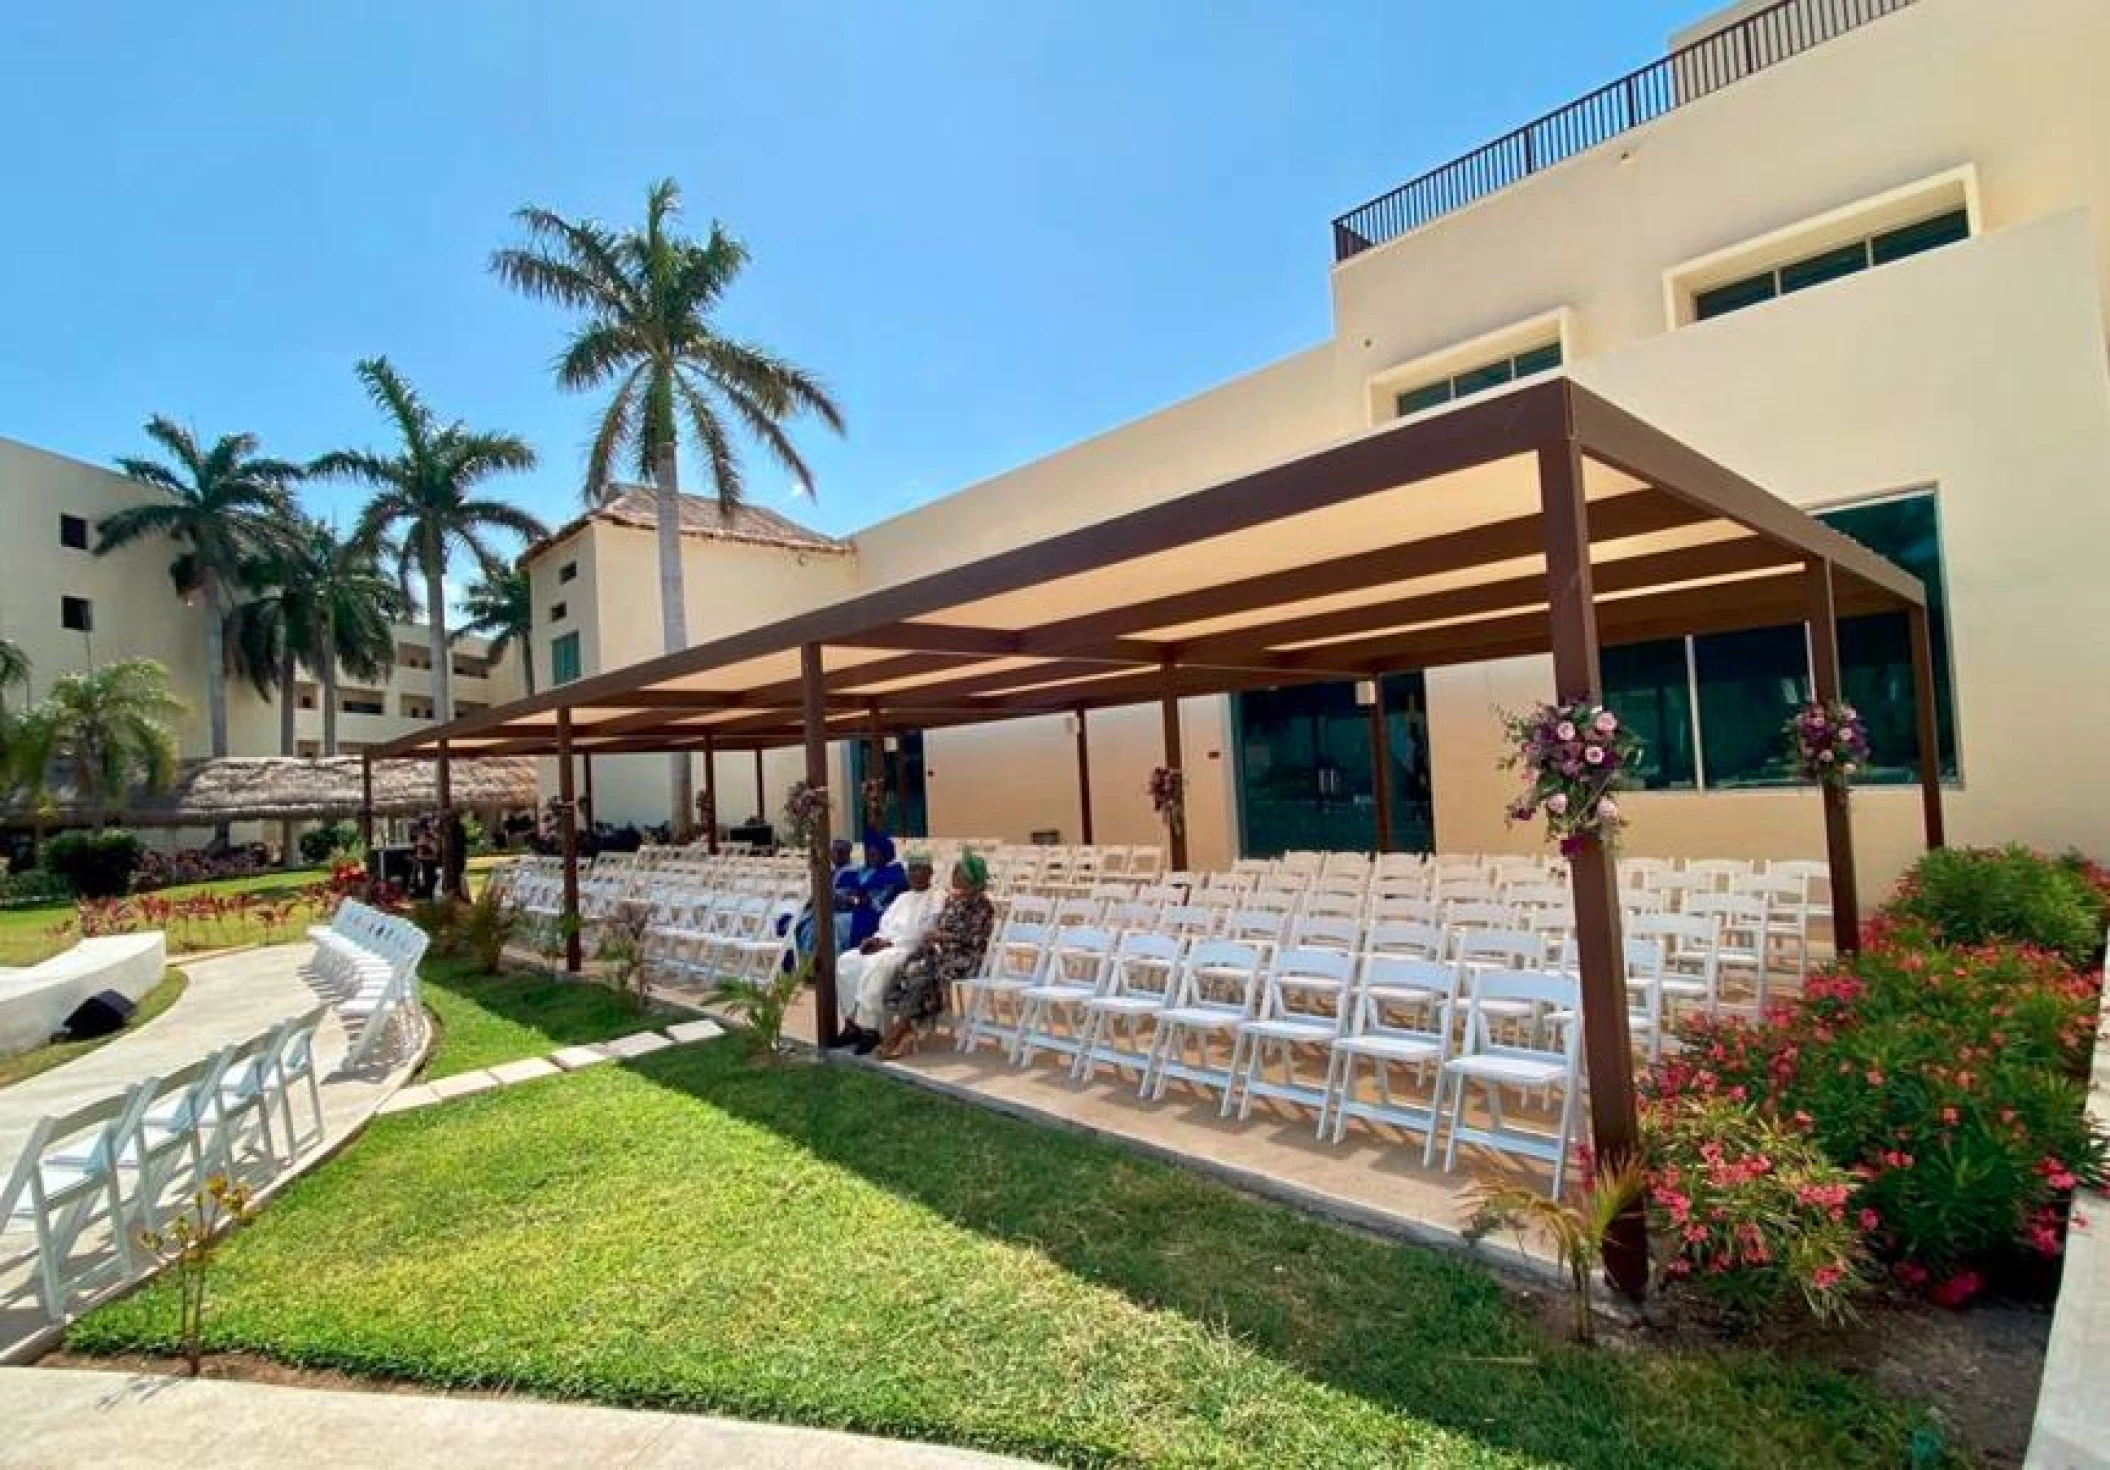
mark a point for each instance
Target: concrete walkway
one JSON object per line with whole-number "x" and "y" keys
{"x": 61, "y": 1417}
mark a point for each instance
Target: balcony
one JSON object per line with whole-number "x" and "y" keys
{"x": 1760, "y": 40}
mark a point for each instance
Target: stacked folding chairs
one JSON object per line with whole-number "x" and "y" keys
{"x": 368, "y": 961}
{"x": 88, "y": 1182}
{"x": 1329, "y": 981}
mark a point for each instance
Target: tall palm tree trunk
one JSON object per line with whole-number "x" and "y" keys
{"x": 215, "y": 666}
{"x": 329, "y": 700}
{"x": 288, "y": 699}
{"x": 673, "y": 615}
{"x": 436, "y": 627}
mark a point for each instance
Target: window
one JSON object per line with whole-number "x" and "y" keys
{"x": 73, "y": 532}
{"x": 564, "y": 659}
{"x": 413, "y": 656}
{"x": 557, "y": 611}
{"x": 1743, "y": 684}
{"x": 362, "y": 702}
{"x": 417, "y": 706}
{"x": 1828, "y": 265}
{"x": 306, "y": 696}
{"x": 1542, "y": 358}
{"x": 569, "y": 572}
{"x": 310, "y": 748}
{"x": 470, "y": 668}
{"x": 77, "y": 614}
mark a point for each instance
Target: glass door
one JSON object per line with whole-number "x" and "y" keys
{"x": 1306, "y": 776}
{"x": 908, "y": 805}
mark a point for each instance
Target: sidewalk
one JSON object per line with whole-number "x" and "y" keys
{"x": 63, "y": 1417}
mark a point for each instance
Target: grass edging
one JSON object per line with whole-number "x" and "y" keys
{"x": 167, "y": 993}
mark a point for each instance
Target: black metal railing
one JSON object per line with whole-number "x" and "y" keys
{"x": 1759, "y": 40}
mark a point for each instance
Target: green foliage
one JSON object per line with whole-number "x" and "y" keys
{"x": 485, "y": 927}
{"x": 440, "y": 918}
{"x": 1750, "y": 1212}
{"x": 487, "y": 1018}
{"x": 98, "y": 732}
{"x": 876, "y": 1258}
{"x": 34, "y": 886}
{"x": 331, "y": 843}
{"x": 187, "y": 1248}
{"x": 1983, "y": 895}
{"x": 97, "y": 864}
{"x": 499, "y": 607}
{"x": 619, "y": 945}
{"x": 762, "y": 1007}
{"x": 1577, "y": 1230}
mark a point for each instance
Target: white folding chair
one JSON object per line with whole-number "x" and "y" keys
{"x": 1217, "y": 985}
{"x": 1016, "y": 959}
{"x": 1075, "y": 972}
{"x": 1373, "y": 1034}
{"x": 1494, "y": 1064}
{"x": 1302, "y": 1000}
{"x": 1138, "y": 984}
{"x": 57, "y": 1201}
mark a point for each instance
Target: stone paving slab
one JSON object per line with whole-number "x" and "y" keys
{"x": 642, "y": 1043}
{"x": 59, "y": 1417}
{"x": 409, "y": 1098}
{"x": 465, "y": 1084}
{"x": 572, "y": 1058}
{"x": 527, "y": 1069}
{"x": 689, "y": 1031}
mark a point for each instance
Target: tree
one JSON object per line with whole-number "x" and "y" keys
{"x": 647, "y": 297}
{"x": 99, "y": 732}
{"x": 14, "y": 669}
{"x": 224, "y": 506}
{"x": 424, "y": 510}
{"x": 499, "y": 607}
{"x": 323, "y": 602}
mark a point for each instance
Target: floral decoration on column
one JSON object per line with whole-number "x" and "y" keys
{"x": 1574, "y": 758}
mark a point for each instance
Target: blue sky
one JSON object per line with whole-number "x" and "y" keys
{"x": 993, "y": 228}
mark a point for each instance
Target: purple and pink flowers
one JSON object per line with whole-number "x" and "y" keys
{"x": 1828, "y": 743}
{"x": 1574, "y": 757}
{"x": 1168, "y": 797}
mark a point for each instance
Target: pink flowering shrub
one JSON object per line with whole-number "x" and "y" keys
{"x": 1946, "y": 1080}
{"x": 1748, "y": 1212}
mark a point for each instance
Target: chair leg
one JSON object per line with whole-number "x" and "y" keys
{"x": 1450, "y": 1152}
{"x": 1242, "y": 1052}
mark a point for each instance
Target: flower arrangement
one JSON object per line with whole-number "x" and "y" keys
{"x": 873, "y": 791}
{"x": 805, "y": 814}
{"x": 1168, "y": 797}
{"x": 1827, "y": 742}
{"x": 1574, "y": 758}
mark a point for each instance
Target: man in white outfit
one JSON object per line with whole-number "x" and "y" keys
{"x": 861, "y": 976}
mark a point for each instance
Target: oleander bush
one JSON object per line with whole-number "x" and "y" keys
{"x": 1988, "y": 895}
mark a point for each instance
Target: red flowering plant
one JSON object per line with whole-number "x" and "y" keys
{"x": 1575, "y": 758}
{"x": 1748, "y": 1213}
{"x": 1827, "y": 742}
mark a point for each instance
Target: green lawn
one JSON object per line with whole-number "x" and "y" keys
{"x": 29, "y": 1063}
{"x": 488, "y": 1019}
{"x": 31, "y": 934}
{"x": 829, "y": 1246}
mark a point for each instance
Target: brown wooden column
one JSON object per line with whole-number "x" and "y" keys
{"x": 568, "y": 834}
{"x": 366, "y": 806}
{"x": 1380, "y": 764}
{"x": 1600, "y": 955}
{"x": 1925, "y": 720}
{"x": 762, "y": 812}
{"x": 813, "y": 676}
{"x": 1084, "y": 781}
{"x": 710, "y": 795}
{"x": 1838, "y": 817}
{"x": 1169, "y": 709}
{"x": 586, "y": 766}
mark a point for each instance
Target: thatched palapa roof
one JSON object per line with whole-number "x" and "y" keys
{"x": 634, "y": 506}
{"x": 243, "y": 788}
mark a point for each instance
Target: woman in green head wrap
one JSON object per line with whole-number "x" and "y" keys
{"x": 919, "y": 994}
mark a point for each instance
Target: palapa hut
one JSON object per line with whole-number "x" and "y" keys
{"x": 274, "y": 788}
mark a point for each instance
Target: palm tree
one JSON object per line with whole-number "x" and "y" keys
{"x": 424, "y": 510}
{"x": 99, "y": 731}
{"x": 499, "y": 607}
{"x": 14, "y": 669}
{"x": 224, "y": 506}
{"x": 647, "y": 297}
{"x": 322, "y": 601}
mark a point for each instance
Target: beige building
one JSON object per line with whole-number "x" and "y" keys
{"x": 1862, "y": 261}
{"x": 71, "y": 609}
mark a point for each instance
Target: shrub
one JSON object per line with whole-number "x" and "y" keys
{"x": 319, "y": 845}
{"x": 1987, "y": 895}
{"x": 486, "y": 927}
{"x": 1577, "y": 1231}
{"x": 440, "y": 918}
{"x": 99, "y": 864}
{"x": 1749, "y": 1212}
{"x": 32, "y": 887}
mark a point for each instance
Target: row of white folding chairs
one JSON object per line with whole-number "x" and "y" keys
{"x": 1087, "y": 994}
{"x": 369, "y": 961}
{"x": 708, "y": 938}
{"x": 130, "y": 1159}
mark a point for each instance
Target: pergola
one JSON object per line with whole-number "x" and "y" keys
{"x": 1546, "y": 519}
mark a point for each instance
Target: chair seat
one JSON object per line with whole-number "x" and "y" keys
{"x": 1285, "y": 1028}
{"x": 1201, "y": 1018}
{"x": 1405, "y": 995}
{"x": 1391, "y": 1048}
{"x": 1520, "y": 1071}
{"x": 1125, "y": 1005}
{"x": 62, "y": 1181}
{"x": 1058, "y": 992}
{"x": 995, "y": 984}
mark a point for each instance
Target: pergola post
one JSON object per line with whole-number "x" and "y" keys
{"x": 1169, "y": 709}
{"x": 568, "y": 834}
{"x": 1084, "y": 780}
{"x": 586, "y": 799}
{"x": 1838, "y": 819}
{"x": 814, "y": 679}
{"x": 1918, "y": 623}
{"x": 366, "y": 806}
{"x": 710, "y": 795}
{"x": 1600, "y": 956}
{"x": 875, "y": 765}
{"x": 1380, "y": 765}
{"x": 443, "y": 780}
{"x": 761, "y": 796}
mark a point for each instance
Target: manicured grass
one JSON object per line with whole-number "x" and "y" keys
{"x": 31, "y": 934}
{"x": 57, "y": 1054}
{"x": 488, "y": 1019}
{"x": 828, "y": 1246}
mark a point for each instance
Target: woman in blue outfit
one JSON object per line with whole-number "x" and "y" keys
{"x": 878, "y": 881}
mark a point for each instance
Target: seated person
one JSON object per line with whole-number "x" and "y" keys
{"x": 877, "y": 882}
{"x": 844, "y": 883}
{"x": 862, "y": 975}
{"x": 922, "y": 989}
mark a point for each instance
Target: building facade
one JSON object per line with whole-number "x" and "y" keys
{"x": 71, "y": 609}
{"x": 1857, "y": 253}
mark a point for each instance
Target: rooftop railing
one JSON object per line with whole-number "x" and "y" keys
{"x": 1761, "y": 39}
